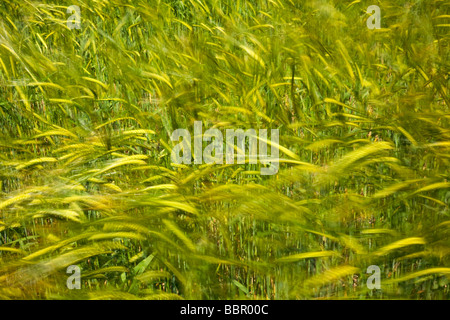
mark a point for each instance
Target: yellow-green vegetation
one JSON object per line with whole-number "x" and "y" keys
{"x": 86, "y": 175}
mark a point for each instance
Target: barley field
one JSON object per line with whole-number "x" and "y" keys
{"x": 86, "y": 175}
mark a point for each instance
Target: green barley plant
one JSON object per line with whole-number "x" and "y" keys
{"x": 86, "y": 176}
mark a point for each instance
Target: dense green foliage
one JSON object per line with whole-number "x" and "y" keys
{"x": 85, "y": 170}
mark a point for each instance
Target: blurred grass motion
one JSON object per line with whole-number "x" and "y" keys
{"x": 85, "y": 168}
